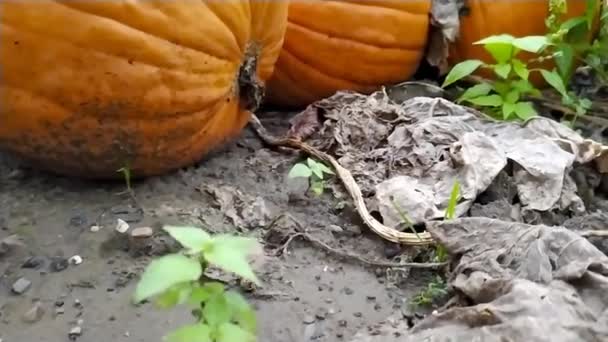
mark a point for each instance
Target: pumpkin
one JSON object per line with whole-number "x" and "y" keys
{"x": 356, "y": 45}
{"x": 89, "y": 87}
{"x": 518, "y": 18}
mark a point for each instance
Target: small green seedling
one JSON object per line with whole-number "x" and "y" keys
{"x": 126, "y": 173}
{"x": 314, "y": 171}
{"x": 441, "y": 253}
{"x": 435, "y": 290}
{"x": 175, "y": 279}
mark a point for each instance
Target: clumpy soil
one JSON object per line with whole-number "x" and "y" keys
{"x": 307, "y": 294}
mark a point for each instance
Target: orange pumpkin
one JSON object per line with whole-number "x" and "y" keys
{"x": 518, "y": 18}
{"x": 358, "y": 45}
{"x": 89, "y": 87}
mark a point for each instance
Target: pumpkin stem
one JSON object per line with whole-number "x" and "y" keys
{"x": 251, "y": 90}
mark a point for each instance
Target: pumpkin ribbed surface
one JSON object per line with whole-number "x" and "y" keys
{"x": 347, "y": 45}
{"x": 89, "y": 87}
{"x": 518, "y": 18}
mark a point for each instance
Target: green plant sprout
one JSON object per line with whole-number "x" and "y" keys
{"x": 435, "y": 289}
{"x": 126, "y": 173}
{"x": 314, "y": 171}
{"x": 178, "y": 278}
{"x": 505, "y": 97}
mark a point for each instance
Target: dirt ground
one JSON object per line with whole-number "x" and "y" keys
{"x": 308, "y": 295}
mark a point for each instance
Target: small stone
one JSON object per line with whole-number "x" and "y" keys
{"x": 59, "y": 264}
{"x": 142, "y": 232}
{"x": 336, "y": 229}
{"x": 95, "y": 228}
{"x": 358, "y": 314}
{"x": 74, "y": 333}
{"x": 348, "y": 291}
{"x": 34, "y": 314}
{"x": 370, "y": 298}
{"x": 21, "y": 285}
{"x": 59, "y": 303}
{"x": 33, "y": 262}
{"x": 121, "y": 226}
{"x": 75, "y": 260}
{"x": 10, "y": 243}
{"x": 321, "y": 313}
{"x": 377, "y": 307}
{"x": 59, "y": 311}
{"x": 342, "y": 323}
{"x": 309, "y": 319}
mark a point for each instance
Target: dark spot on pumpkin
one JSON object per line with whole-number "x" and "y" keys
{"x": 16, "y": 42}
{"x": 131, "y": 61}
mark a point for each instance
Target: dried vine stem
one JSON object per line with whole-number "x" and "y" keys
{"x": 387, "y": 233}
{"x": 329, "y": 249}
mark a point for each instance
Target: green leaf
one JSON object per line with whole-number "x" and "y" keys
{"x": 192, "y": 238}
{"x": 450, "y": 211}
{"x": 555, "y": 81}
{"x": 524, "y": 86}
{"x": 175, "y": 295}
{"x": 300, "y": 170}
{"x": 564, "y": 60}
{"x": 487, "y": 101}
{"x": 507, "y": 110}
{"x": 502, "y": 53}
{"x": 502, "y": 70}
{"x": 216, "y": 311}
{"x": 502, "y": 88}
{"x": 229, "y": 332}
{"x": 496, "y": 39}
{"x": 230, "y": 253}
{"x": 165, "y": 272}
{"x": 512, "y": 96}
{"x": 190, "y": 333}
{"x": 477, "y": 90}
{"x": 520, "y": 68}
{"x": 325, "y": 169}
{"x": 525, "y": 110}
{"x": 572, "y": 22}
{"x": 461, "y": 70}
{"x": 243, "y": 314}
{"x": 317, "y": 187}
{"x": 315, "y": 168}
{"x": 201, "y": 294}
{"x": 531, "y": 43}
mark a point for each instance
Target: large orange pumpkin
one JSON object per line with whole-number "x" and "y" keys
{"x": 358, "y": 45}
{"x": 88, "y": 87}
{"x": 518, "y": 18}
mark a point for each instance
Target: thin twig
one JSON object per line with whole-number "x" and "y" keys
{"x": 327, "y": 248}
{"x": 390, "y": 234}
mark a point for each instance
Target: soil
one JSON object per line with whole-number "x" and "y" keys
{"x": 307, "y": 294}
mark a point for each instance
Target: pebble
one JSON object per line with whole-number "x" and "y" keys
{"x": 74, "y": 333}
{"x": 59, "y": 264}
{"x": 59, "y": 311}
{"x": 76, "y": 260}
{"x": 34, "y": 314}
{"x": 33, "y": 262}
{"x": 309, "y": 319}
{"x": 336, "y": 229}
{"x": 348, "y": 291}
{"x": 10, "y": 243}
{"x": 95, "y": 228}
{"x": 321, "y": 313}
{"x": 21, "y": 285}
{"x": 122, "y": 226}
{"x": 142, "y": 232}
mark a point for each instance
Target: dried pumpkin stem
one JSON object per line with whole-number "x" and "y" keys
{"x": 387, "y": 233}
